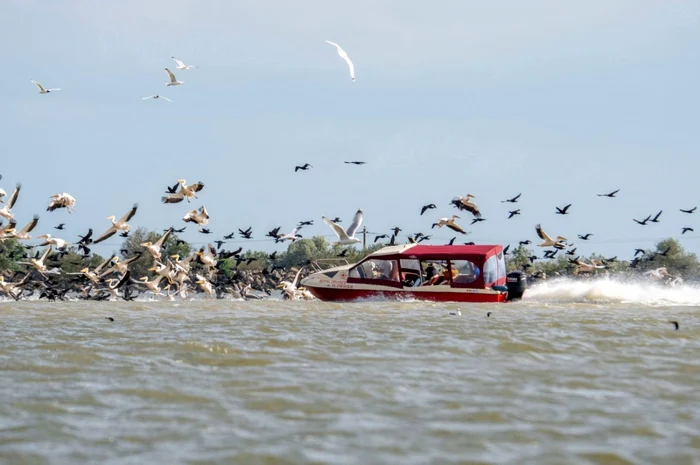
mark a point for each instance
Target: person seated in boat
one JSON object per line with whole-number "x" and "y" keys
{"x": 444, "y": 277}
{"x": 429, "y": 272}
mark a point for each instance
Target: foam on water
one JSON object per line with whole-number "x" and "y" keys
{"x": 607, "y": 290}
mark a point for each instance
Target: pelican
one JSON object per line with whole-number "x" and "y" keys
{"x": 346, "y": 237}
{"x": 8, "y": 231}
{"x": 463, "y": 203}
{"x": 290, "y": 288}
{"x": 64, "y": 200}
{"x": 39, "y": 263}
{"x": 120, "y": 225}
{"x": 6, "y": 210}
{"x": 119, "y": 266}
{"x": 658, "y": 274}
{"x": 200, "y": 217}
{"x": 292, "y": 236}
{"x": 548, "y": 242}
{"x": 582, "y": 267}
{"x": 155, "y": 248}
{"x": 185, "y": 192}
{"x": 207, "y": 256}
{"x": 42, "y": 90}
{"x": 156, "y": 97}
{"x": 60, "y": 244}
{"x": 345, "y": 57}
{"x": 13, "y": 289}
{"x": 181, "y": 65}
{"x": 154, "y": 285}
{"x": 450, "y": 223}
{"x": 173, "y": 81}
{"x": 206, "y": 286}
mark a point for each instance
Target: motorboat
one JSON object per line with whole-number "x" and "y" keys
{"x": 443, "y": 273}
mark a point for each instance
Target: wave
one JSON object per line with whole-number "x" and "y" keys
{"x": 612, "y": 290}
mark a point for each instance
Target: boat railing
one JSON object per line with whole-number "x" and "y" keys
{"x": 324, "y": 263}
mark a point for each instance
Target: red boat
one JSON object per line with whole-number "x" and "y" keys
{"x": 443, "y": 273}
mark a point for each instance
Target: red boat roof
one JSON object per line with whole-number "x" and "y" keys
{"x": 439, "y": 252}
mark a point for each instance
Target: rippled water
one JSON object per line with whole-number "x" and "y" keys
{"x": 542, "y": 381}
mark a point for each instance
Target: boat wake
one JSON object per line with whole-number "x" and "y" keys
{"x": 606, "y": 290}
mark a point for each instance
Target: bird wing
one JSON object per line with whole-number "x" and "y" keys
{"x": 159, "y": 243}
{"x": 455, "y": 227}
{"x": 173, "y": 198}
{"x": 350, "y": 65}
{"x": 296, "y": 278}
{"x": 31, "y": 225}
{"x": 543, "y": 235}
{"x": 197, "y": 187}
{"x": 166, "y": 99}
{"x": 356, "y": 221}
{"x": 41, "y": 88}
{"x": 338, "y": 230}
{"x": 46, "y": 253}
{"x": 109, "y": 233}
{"x": 129, "y": 215}
{"x": 179, "y": 62}
{"x": 172, "y": 76}
{"x": 146, "y": 98}
{"x": 334, "y": 44}
{"x": 102, "y": 265}
{"x": 13, "y": 198}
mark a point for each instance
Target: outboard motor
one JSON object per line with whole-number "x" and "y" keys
{"x": 516, "y": 282}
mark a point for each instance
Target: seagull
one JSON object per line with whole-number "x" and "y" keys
{"x": 345, "y": 237}
{"x": 120, "y": 225}
{"x": 430, "y": 206}
{"x": 292, "y": 236}
{"x": 563, "y": 211}
{"x": 42, "y": 90}
{"x": 513, "y": 213}
{"x": 692, "y": 210}
{"x": 156, "y": 97}
{"x": 450, "y": 223}
{"x": 513, "y": 200}
{"x": 304, "y": 167}
{"x": 611, "y": 195}
{"x": 173, "y": 81}
{"x": 345, "y": 57}
{"x": 181, "y": 65}
{"x": 548, "y": 241}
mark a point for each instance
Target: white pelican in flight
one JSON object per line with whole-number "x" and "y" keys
{"x": 42, "y": 90}
{"x": 156, "y": 97}
{"x": 38, "y": 263}
{"x": 5, "y": 211}
{"x": 207, "y": 255}
{"x": 181, "y": 65}
{"x": 155, "y": 248}
{"x": 23, "y": 234}
{"x": 345, "y": 57}
{"x": 64, "y": 200}
{"x": 463, "y": 203}
{"x": 185, "y": 192}
{"x": 60, "y": 244}
{"x": 120, "y": 225}
{"x": 450, "y": 223}
{"x": 346, "y": 237}
{"x": 14, "y": 290}
{"x": 173, "y": 81}
{"x": 206, "y": 286}
{"x": 154, "y": 285}
{"x": 658, "y": 274}
{"x": 548, "y": 241}
{"x": 200, "y": 217}
{"x": 582, "y": 267}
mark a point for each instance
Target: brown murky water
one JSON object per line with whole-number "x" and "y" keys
{"x": 274, "y": 382}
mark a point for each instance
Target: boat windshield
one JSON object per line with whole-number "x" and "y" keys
{"x": 467, "y": 271}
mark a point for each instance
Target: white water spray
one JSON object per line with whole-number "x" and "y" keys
{"x": 607, "y": 290}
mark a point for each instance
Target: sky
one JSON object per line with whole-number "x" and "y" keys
{"x": 559, "y": 101}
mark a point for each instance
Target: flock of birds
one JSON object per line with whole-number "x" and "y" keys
{"x": 177, "y": 274}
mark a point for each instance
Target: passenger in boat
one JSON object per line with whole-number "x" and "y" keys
{"x": 429, "y": 272}
{"x": 444, "y": 277}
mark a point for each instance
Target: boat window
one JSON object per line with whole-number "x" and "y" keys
{"x": 435, "y": 273}
{"x": 501, "y": 266}
{"x": 375, "y": 268}
{"x": 467, "y": 271}
{"x": 410, "y": 272}
{"x": 491, "y": 270}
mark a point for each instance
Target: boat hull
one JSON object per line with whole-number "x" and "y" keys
{"x": 349, "y": 295}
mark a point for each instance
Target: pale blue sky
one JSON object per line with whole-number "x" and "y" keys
{"x": 558, "y": 100}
